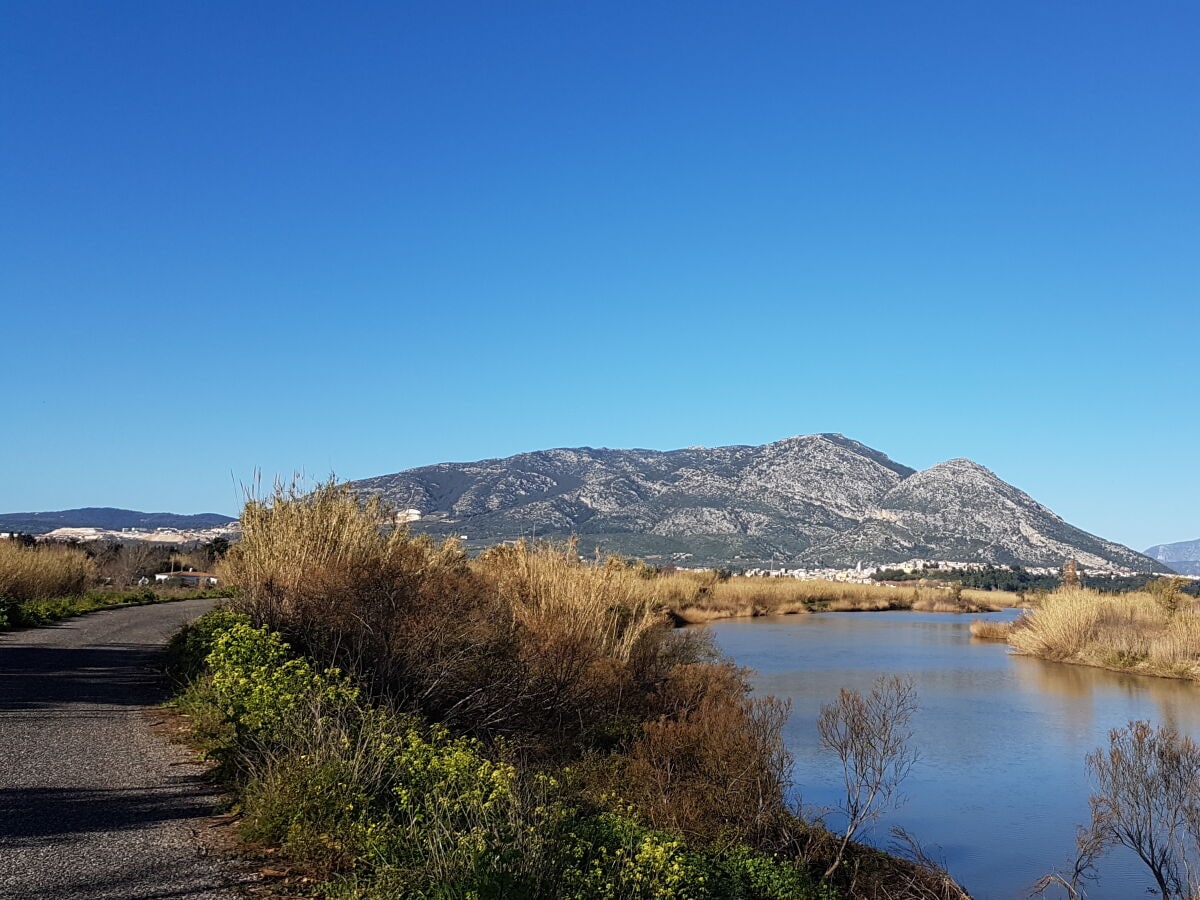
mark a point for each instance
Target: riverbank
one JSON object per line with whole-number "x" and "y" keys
{"x": 374, "y": 803}
{"x": 401, "y": 720}
{"x": 1154, "y": 632}
{"x": 1026, "y": 724}
{"x": 741, "y": 597}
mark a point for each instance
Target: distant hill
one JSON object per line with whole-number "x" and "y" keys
{"x": 811, "y": 500}
{"x": 106, "y": 517}
{"x": 1182, "y": 556}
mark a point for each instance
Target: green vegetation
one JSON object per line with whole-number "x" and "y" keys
{"x": 32, "y": 613}
{"x": 990, "y": 578}
{"x": 1020, "y": 580}
{"x": 391, "y": 806}
{"x": 403, "y": 721}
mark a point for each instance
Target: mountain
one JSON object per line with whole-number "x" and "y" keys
{"x": 812, "y": 500}
{"x": 106, "y": 517}
{"x": 1183, "y": 556}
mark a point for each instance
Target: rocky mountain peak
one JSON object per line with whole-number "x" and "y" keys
{"x": 803, "y": 500}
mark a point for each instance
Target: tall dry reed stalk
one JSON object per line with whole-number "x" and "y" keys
{"x": 606, "y": 603}
{"x": 306, "y": 553}
{"x": 43, "y": 572}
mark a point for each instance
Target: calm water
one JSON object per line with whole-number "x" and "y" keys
{"x": 1000, "y": 785}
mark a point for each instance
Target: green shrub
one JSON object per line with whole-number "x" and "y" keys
{"x": 613, "y": 857}
{"x": 390, "y": 806}
{"x": 188, "y": 649}
{"x": 256, "y": 694}
{"x": 30, "y": 613}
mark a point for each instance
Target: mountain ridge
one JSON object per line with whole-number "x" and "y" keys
{"x": 1182, "y": 556}
{"x": 802, "y": 501}
{"x": 107, "y": 517}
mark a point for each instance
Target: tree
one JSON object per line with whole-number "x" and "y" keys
{"x": 1167, "y": 592}
{"x": 217, "y": 548}
{"x": 871, "y": 736}
{"x": 1148, "y": 799}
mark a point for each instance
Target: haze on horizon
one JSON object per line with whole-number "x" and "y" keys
{"x": 257, "y": 236}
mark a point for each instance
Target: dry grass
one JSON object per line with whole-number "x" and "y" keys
{"x": 609, "y": 605}
{"x": 698, "y": 597}
{"x": 1135, "y": 632}
{"x": 991, "y": 631}
{"x": 526, "y": 642}
{"x": 41, "y": 573}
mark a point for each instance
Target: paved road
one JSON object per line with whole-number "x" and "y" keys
{"x": 93, "y": 802}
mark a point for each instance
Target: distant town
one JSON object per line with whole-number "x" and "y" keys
{"x": 867, "y": 574}
{"x": 184, "y": 538}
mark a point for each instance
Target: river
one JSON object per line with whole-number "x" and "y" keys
{"x": 1000, "y": 784}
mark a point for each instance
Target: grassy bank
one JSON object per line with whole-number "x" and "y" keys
{"x": 32, "y": 613}
{"x": 40, "y": 585}
{"x": 403, "y": 721}
{"x": 381, "y": 803}
{"x": 43, "y": 572}
{"x": 1153, "y": 632}
{"x": 693, "y": 598}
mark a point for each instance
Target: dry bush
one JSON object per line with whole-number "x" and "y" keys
{"x": 307, "y": 557}
{"x": 742, "y": 596}
{"x": 406, "y": 615}
{"x": 527, "y": 642}
{"x": 593, "y": 639}
{"x": 772, "y": 593}
{"x": 1062, "y": 625}
{"x": 1148, "y": 799}
{"x": 871, "y": 735}
{"x": 1177, "y": 649}
{"x": 991, "y": 631}
{"x": 606, "y": 605}
{"x": 43, "y": 572}
{"x": 712, "y": 764}
{"x": 992, "y": 600}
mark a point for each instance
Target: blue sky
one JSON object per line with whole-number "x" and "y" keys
{"x": 357, "y": 238}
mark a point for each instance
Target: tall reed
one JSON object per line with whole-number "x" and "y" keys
{"x": 1134, "y": 631}
{"x": 606, "y": 604}
{"x": 43, "y": 572}
{"x": 711, "y": 598}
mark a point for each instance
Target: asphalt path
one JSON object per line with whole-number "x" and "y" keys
{"x": 94, "y": 802}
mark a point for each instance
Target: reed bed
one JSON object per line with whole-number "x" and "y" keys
{"x": 43, "y": 572}
{"x": 527, "y": 661}
{"x": 609, "y": 605}
{"x": 1136, "y": 632}
{"x": 695, "y": 598}
{"x": 984, "y": 630}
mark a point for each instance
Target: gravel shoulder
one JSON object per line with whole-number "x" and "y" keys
{"x": 94, "y": 803}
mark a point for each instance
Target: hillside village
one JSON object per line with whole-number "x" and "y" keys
{"x": 864, "y": 574}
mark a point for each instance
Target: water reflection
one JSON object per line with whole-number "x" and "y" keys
{"x": 1087, "y": 688}
{"x": 1001, "y": 783}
